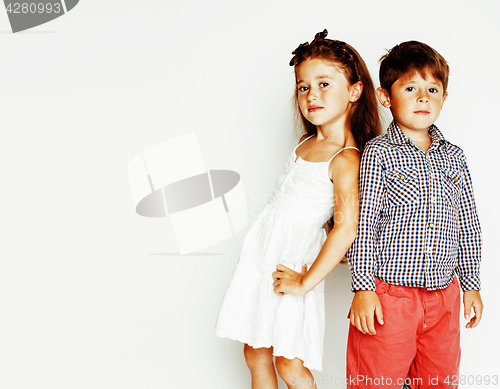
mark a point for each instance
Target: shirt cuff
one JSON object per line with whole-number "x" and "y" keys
{"x": 362, "y": 282}
{"x": 470, "y": 282}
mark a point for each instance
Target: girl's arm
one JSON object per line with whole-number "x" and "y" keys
{"x": 345, "y": 179}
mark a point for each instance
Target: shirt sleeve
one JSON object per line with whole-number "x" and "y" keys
{"x": 469, "y": 246}
{"x": 362, "y": 252}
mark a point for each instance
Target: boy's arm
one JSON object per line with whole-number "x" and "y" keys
{"x": 469, "y": 245}
{"x": 362, "y": 252}
{"x": 366, "y": 304}
{"x": 469, "y": 250}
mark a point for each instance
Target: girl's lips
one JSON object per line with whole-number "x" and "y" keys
{"x": 314, "y": 108}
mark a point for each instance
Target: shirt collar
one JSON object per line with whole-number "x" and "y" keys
{"x": 397, "y": 137}
{"x": 437, "y": 136}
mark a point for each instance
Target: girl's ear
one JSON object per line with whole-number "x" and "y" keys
{"x": 383, "y": 97}
{"x": 356, "y": 90}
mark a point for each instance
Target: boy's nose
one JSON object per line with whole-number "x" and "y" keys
{"x": 423, "y": 99}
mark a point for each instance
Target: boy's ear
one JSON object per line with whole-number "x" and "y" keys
{"x": 444, "y": 98}
{"x": 356, "y": 90}
{"x": 384, "y": 97}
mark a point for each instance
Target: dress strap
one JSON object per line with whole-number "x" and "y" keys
{"x": 303, "y": 142}
{"x": 348, "y": 147}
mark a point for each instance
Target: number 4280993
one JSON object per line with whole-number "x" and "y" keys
{"x": 33, "y": 8}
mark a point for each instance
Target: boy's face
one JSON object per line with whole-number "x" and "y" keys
{"x": 415, "y": 102}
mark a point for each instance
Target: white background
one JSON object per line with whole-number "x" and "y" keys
{"x": 93, "y": 295}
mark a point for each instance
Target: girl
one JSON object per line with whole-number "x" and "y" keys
{"x": 336, "y": 101}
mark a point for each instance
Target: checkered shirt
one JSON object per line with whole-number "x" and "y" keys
{"x": 418, "y": 224}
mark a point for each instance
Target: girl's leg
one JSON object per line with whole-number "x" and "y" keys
{"x": 294, "y": 373}
{"x": 260, "y": 363}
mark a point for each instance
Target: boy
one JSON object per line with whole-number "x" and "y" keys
{"x": 418, "y": 228}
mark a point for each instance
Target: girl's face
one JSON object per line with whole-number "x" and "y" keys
{"x": 324, "y": 93}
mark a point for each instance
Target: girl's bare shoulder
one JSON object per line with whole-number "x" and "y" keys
{"x": 347, "y": 157}
{"x": 345, "y": 164}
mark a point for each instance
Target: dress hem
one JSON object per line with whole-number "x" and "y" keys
{"x": 268, "y": 345}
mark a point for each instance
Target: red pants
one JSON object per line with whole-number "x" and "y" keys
{"x": 419, "y": 341}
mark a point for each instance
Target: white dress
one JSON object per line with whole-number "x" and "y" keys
{"x": 289, "y": 230}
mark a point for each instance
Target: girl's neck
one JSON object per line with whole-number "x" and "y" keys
{"x": 335, "y": 134}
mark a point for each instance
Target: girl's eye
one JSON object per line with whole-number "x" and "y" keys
{"x": 410, "y": 88}
{"x": 302, "y": 88}
{"x": 324, "y": 84}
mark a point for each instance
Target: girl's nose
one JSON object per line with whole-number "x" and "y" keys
{"x": 312, "y": 95}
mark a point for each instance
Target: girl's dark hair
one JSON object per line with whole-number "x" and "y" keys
{"x": 365, "y": 120}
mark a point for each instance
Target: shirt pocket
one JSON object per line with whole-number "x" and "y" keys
{"x": 402, "y": 186}
{"x": 452, "y": 184}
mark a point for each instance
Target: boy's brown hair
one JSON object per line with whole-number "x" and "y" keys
{"x": 408, "y": 58}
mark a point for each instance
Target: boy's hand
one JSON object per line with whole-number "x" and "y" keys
{"x": 472, "y": 298}
{"x": 365, "y": 306}
{"x": 288, "y": 281}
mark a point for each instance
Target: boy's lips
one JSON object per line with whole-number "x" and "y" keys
{"x": 422, "y": 112}
{"x": 314, "y": 108}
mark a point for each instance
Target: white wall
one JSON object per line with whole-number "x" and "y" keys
{"x": 93, "y": 295}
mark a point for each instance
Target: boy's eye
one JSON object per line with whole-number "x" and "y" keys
{"x": 433, "y": 90}
{"x": 410, "y": 88}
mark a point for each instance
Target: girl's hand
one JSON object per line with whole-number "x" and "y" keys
{"x": 288, "y": 281}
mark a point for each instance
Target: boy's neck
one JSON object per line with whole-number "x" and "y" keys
{"x": 421, "y": 138}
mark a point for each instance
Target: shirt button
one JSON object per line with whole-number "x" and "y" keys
{"x": 434, "y": 199}
{"x": 429, "y": 249}
{"x": 431, "y": 225}
{"x": 402, "y": 177}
